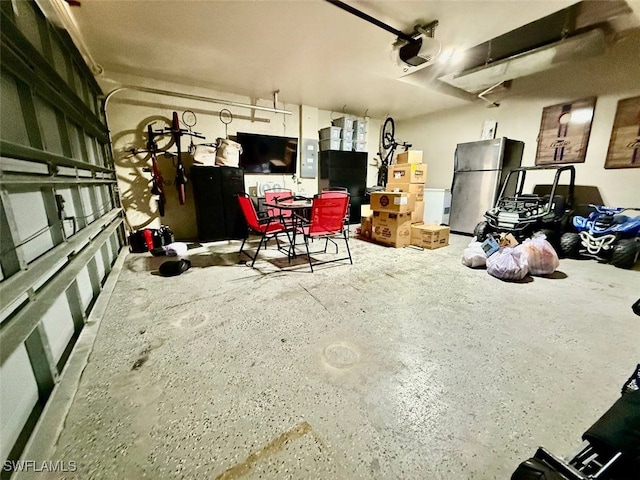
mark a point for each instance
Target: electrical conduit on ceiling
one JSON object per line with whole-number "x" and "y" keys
{"x": 187, "y": 96}
{"x": 194, "y": 97}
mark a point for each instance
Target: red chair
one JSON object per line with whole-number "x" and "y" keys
{"x": 327, "y": 221}
{"x": 336, "y": 192}
{"x": 272, "y": 196}
{"x": 268, "y": 227}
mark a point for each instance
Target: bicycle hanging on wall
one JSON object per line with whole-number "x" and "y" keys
{"x": 157, "y": 182}
{"x": 388, "y": 146}
{"x": 152, "y": 148}
{"x": 181, "y": 173}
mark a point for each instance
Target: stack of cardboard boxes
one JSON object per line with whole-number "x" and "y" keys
{"x": 397, "y": 213}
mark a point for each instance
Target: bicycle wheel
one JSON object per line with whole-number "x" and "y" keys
{"x": 387, "y": 133}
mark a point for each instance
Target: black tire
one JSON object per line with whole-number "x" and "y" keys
{"x": 550, "y": 234}
{"x": 481, "y": 231}
{"x": 625, "y": 253}
{"x": 388, "y": 132}
{"x": 570, "y": 245}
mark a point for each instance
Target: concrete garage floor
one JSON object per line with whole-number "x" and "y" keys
{"x": 405, "y": 365}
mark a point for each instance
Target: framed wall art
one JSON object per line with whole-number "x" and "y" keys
{"x": 564, "y": 132}
{"x": 624, "y": 146}
{"x": 489, "y": 128}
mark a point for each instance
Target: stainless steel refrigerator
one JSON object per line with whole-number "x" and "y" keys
{"x": 479, "y": 171}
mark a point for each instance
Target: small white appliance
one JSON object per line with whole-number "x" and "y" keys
{"x": 437, "y": 203}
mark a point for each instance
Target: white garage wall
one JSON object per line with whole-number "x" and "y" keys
{"x": 17, "y": 397}
{"x": 610, "y": 78}
{"x": 129, "y": 112}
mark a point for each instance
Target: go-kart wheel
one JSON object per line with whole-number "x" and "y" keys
{"x": 570, "y": 245}
{"x": 481, "y": 231}
{"x": 625, "y": 253}
{"x": 550, "y": 234}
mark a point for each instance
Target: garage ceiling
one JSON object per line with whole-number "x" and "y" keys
{"x": 311, "y": 51}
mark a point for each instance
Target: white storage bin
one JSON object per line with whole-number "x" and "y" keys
{"x": 330, "y": 144}
{"x": 343, "y": 122}
{"x": 359, "y": 137}
{"x": 329, "y": 133}
{"x": 359, "y": 146}
{"x": 360, "y": 125}
{"x": 346, "y": 135}
{"x": 346, "y": 145}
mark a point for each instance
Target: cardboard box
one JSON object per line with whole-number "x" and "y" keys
{"x": 508, "y": 240}
{"x": 417, "y": 216}
{"x": 416, "y": 189}
{"x": 412, "y": 156}
{"x": 429, "y": 236}
{"x": 392, "y": 228}
{"x": 366, "y": 226}
{"x": 407, "y": 173}
{"x": 393, "y": 202}
{"x": 365, "y": 211}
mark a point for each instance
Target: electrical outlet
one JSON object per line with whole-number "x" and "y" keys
{"x": 253, "y": 191}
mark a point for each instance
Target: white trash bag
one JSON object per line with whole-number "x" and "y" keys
{"x": 228, "y": 152}
{"x": 473, "y": 256}
{"x": 176, "y": 249}
{"x": 205, "y": 155}
{"x": 541, "y": 256}
{"x": 508, "y": 263}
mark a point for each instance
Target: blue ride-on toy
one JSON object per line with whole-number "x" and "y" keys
{"x": 606, "y": 234}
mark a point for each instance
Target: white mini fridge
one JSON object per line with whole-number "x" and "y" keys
{"x": 437, "y": 203}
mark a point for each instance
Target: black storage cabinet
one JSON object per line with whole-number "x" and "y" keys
{"x": 345, "y": 169}
{"x": 218, "y": 213}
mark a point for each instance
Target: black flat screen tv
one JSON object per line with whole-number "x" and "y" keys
{"x": 265, "y": 154}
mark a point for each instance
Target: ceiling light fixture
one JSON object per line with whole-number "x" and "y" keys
{"x": 413, "y": 50}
